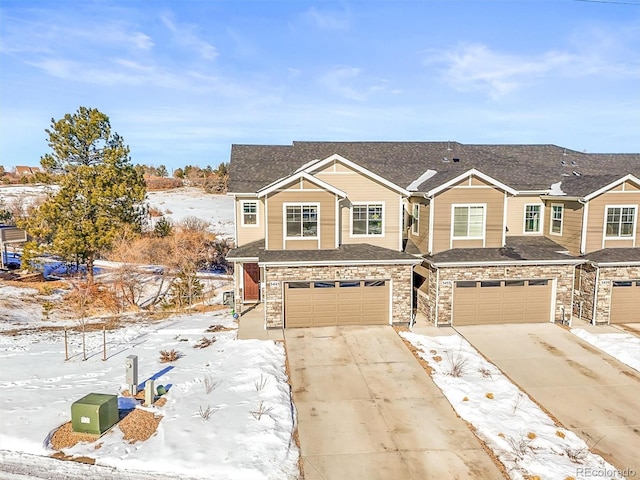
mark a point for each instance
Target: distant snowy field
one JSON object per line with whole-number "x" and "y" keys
{"x": 175, "y": 204}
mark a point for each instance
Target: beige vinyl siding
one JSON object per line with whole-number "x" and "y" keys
{"x": 422, "y": 239}
{"x": 571, "y": 225}
{"x": 326, "y": 224}
{"x": 249, "y": 234}
{"x": 462, "y": 194}
{"x": 360, "y": 190}
{"x": 596, "y": 218}
{"x": 516, "y": 214}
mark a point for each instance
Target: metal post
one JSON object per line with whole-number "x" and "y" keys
{"x": 104, "y": 343}
{"x": 149, "y": 392}
{"x": 66, "y": 346}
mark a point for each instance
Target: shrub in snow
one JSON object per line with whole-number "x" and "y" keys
{"x": 167, "y": 356}
{"x": 456, "y": 364}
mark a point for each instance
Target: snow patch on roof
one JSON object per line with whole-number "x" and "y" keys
{"x": 556, "y": 189}
{"x": 413, "y": 186}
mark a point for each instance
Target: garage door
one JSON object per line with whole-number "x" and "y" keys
{"x": 501, "y": 301}
{"x": 625, "y": 302}
{"x": 358, "y": 302}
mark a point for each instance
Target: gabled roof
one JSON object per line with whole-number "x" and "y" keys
{"x": 521, "y": 167}
{"x": 470, "y": 173}
{"x": 316, "y": 166}
{"x": 297, "y": 176}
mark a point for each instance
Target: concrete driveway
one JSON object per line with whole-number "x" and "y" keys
{"x": 367, "y": 409}
{"x": 588, "y": 391}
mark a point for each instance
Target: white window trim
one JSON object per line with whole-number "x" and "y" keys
{"x": 284, "y": 219}
{"x": 250, "y": 225}
{"x": 484, "y": 220}
{"x": 366, "y": 204}
{"x": 541, "y": 224}
{"x": 551, "y": 232}
{"x": 415, "y": 219}
{"x": 618, "y": 237}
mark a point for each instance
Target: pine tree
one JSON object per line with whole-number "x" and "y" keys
{"x": 100, "y": 191}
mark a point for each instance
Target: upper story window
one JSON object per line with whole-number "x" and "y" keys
{"x": 302, "y": 221}
{"x": 468, "y": 221}
{"x": 367, "y": 219}
{"x": 249, "y": 214}
{"x": 415, "y": 224}
{"x": 620, "y": 221}
{"x": 556, "y": 218}
{"x": 532, "y": 217}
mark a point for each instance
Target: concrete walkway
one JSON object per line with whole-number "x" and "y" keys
{"x": 588, "y": 391}
{"x": 368, "y": 410}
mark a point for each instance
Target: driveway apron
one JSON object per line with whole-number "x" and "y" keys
{"x": 588, "y": 391}
{"x": 367, "y": 409}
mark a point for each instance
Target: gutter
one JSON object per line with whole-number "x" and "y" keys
{"x": 506, "y": 263}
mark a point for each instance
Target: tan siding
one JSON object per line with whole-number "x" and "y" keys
{"x": 492, "y": 197}
{"x": 249, "y": 234}
{"x": 571, "y": 225}
{"x": 275, "y": 217}
{"x": 631, "y": 187}
{"x": 596, "y": 220}
{"x": 422, "y": 239}
{"x": 515, "y": 214}
{"x": 361, "y": 189}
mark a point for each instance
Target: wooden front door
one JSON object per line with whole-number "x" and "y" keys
{"x": 251, "y": 282}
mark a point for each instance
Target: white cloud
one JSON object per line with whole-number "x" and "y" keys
{"x": 186, "y": 36}
{"x": 325, "y": 20}
{"x": 348, "y": 82}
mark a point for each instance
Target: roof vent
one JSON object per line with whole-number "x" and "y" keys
{"x": 445, "y": 159}
{"x": 576, "y": 173}
{"x": 574, "y": 163}
{"x": 456, "y": 160}
{"x": 564, "y": 152}
{"x": 563, "y": 162}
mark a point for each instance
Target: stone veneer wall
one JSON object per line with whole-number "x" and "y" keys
{"x": 584, "y": 294}
{"x": 605, "y": 284}
{"x": 427, "y": 304}
{"x": 563, "y": 274}
{"x": 399, "y": 274}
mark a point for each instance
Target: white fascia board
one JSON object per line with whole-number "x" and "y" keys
{"x": 509, "y": 262}
{"x": 240, "y": 194}
{"x": 467, "y": 174}
{"x": 600, "y": 191}
{"x": 561, "y": 198}
{"x": 337, "y": 263}
{"x": 614, "y": 264}
{"x": 304, "y": 175}
{"x": 532, "y": 192}
{"x": 368, "y": 173}
{"x": 243, "y": 259}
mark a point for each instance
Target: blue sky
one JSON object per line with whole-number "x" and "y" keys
{"x": 183, "y": 80}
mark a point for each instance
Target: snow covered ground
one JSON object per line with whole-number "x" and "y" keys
{"x": 522, "y": 436}
{"x": 625, "y": 347}
{"x": 175, "y": 204}
{"x": 248, "y": 435}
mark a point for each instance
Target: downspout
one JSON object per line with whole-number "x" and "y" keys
{"x": 504, "y": 221}
{"x": 431, "y": 210}
{"x": 585, "y": 215}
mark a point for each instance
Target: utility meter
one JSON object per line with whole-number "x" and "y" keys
{"x": 131, "y": 369}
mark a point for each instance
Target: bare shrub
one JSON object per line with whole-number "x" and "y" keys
{"x": 155, "y": 212}
{"x": 204, "y": 342}
{"x": 260, "y": 411}
{"x": 260, "y": 384}
{"x": 520, "y": 446}
{"x": 206, "y": 413}
{"x": 210, "y": 384}
{"x": 485, "y": 372}
{"x": 516, "y": 404}
{"x": 576, "y": 455}
{"x": 167, "y": 356}
{"x": 193, "y": 224}
{"x": 456, "y": 364}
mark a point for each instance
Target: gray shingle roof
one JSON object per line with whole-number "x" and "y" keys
{"x": 523, "y": 167}
{"x": 250, "y": 250}
{"x": 517, "y": 249}
{"x": 615, "y": 255}
{"x": 344, "y": 253}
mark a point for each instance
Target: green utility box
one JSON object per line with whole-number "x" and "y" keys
{"x": 96, "y": 413}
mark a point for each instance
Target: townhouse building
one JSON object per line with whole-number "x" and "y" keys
{"x": 340, "y": 233}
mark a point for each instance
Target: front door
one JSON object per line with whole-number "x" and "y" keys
{"x": 251, "y": 282}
